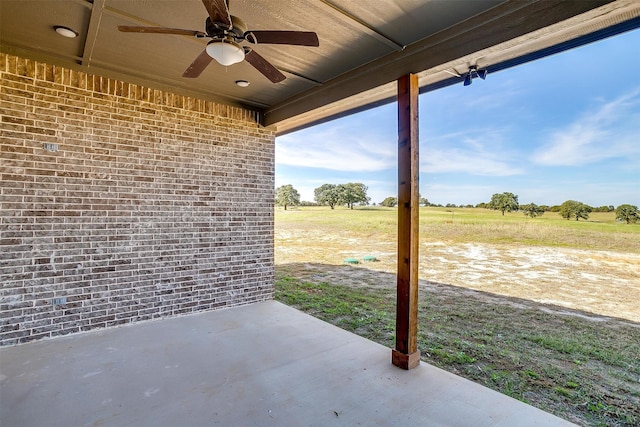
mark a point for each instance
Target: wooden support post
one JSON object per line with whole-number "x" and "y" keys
{"x": 406, "y": 354}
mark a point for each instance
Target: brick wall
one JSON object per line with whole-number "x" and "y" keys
{"x": 154, "y": 205}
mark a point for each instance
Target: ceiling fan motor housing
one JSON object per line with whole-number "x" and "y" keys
{"x": 218, "y": 30}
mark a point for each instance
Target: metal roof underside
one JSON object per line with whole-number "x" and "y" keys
{"x": 364, "y": 47}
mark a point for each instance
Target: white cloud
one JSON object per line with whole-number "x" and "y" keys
{"x": 608, "y": 132}
{"x": 468, "y": 162}
{"x": 476, "y": 155}
{"x": 337, "y": 148}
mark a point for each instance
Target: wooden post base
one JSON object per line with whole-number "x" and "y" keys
{"x": 405, "y": 361}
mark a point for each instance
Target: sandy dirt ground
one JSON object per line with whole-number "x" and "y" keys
{"x": 598, "y": 283}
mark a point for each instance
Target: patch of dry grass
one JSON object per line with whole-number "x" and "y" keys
{"x": 484, "y": 253}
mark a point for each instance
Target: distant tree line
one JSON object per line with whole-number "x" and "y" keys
{"x": 391, "y": 202}
{"x": 570, "y": 209}
{"x": 352, "y": 193}
{"x": 331, "y": 195}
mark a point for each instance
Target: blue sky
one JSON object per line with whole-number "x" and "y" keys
{"x": 563, "y": 127}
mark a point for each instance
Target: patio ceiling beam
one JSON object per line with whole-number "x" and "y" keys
{"x": 92, "y": 32}
{"x": 505, "y": 22}
{"x": 406, "y": 354}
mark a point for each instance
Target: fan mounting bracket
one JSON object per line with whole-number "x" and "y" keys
{"x": 216, "y": 30}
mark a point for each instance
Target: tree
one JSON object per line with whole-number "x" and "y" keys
{"x": 286, "y": 195}
{"x": 628, "y": 213}
{"x": 327, "y": 194}
{"x": 532, "y": 210}
{"x": 604, "y": 209}
{"x": 390, "y": 202}
{"x": 573, "y": 209}
{"x": 353, "y": 192}
{"x": 505, "y": 202}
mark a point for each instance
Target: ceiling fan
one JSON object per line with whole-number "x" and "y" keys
{"x": 226, "y": 33}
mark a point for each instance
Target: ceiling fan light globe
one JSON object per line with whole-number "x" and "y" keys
{"x": 226, "y": 53}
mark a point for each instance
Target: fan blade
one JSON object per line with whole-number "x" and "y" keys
{"x": 198, "y": 65}
{"x": 297, "y": 38}
{"x": 264, "y": 66}
{"x": 160, "y": 30}
{"x": 218, "y": 11}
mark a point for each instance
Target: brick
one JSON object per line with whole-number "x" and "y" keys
{"x": 155, "y": 204}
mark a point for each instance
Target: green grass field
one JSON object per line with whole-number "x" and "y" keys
{"x": 600, "y": 232}
{"x": 567, "y": 361}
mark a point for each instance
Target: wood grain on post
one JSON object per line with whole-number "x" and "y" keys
{"x": 406, "y": 354}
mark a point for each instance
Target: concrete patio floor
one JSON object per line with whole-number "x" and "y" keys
{"x": 259, "y": 365}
